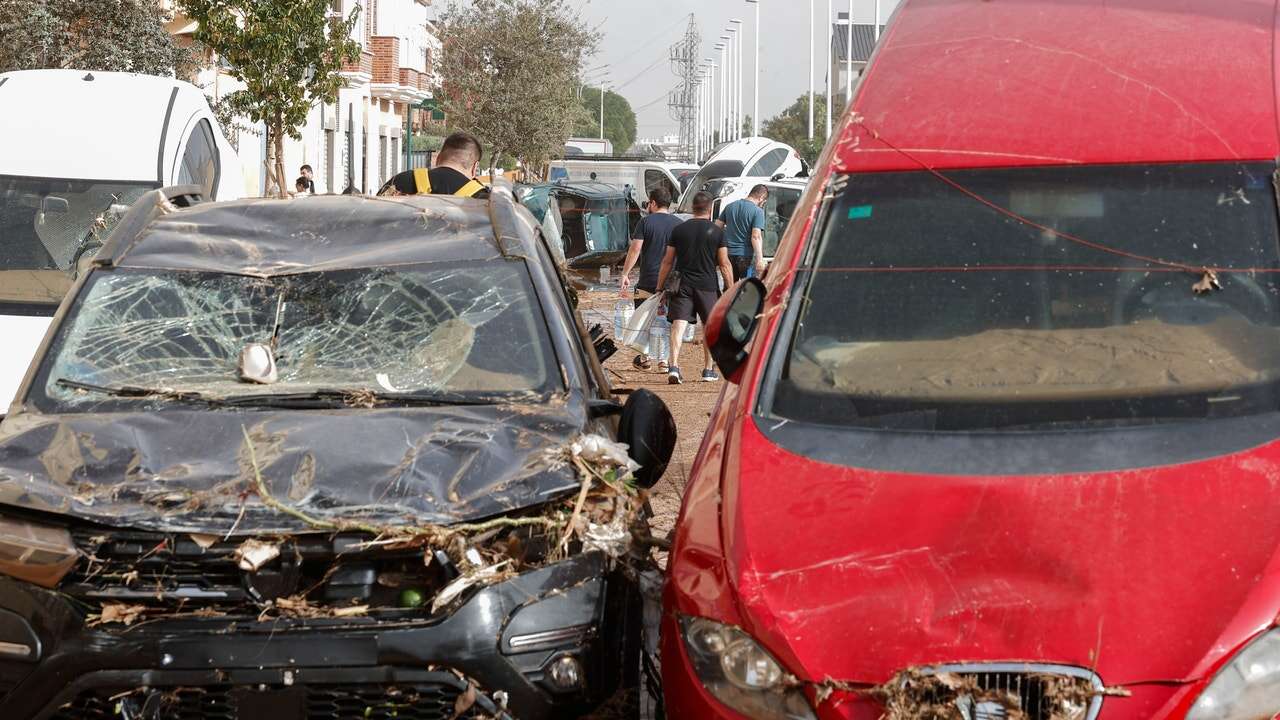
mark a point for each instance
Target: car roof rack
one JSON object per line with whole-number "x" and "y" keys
{"x": 145, "y": 209}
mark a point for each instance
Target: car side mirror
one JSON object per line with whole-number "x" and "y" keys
{"x": 649, "y": 431}
{"x": 733, "y": 323}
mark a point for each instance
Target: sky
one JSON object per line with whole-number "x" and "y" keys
{"x": 638, "y": 34}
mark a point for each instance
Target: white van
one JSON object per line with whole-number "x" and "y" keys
{"x": 76, "y": 149}
{"x": 746, "y": 158}
{"x": 640, "y": 175}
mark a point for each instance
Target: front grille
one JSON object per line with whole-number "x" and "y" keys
{"x": 145, "y": 567}
{"x": 1041, "y": 692}
{"x": 323, "y": 702}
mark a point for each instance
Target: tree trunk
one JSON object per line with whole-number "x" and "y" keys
{"x": 277, "y": 142}
{"x": 493, "y": 165}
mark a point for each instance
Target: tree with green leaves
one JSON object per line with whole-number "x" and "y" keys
{"x": 619, "y": 119}
{"x": 105, "y": 35}
{"x": 511, "y": 74}
{"x": 791, "y": 126}
{"x": 288, "y": 54}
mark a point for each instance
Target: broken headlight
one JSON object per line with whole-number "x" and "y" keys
{"x": 1247, "y": 688}
{"x": 39, "y": 554}
{"x": 739, "y": 673}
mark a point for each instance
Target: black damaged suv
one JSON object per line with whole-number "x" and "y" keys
{"x": 334, "y": 457}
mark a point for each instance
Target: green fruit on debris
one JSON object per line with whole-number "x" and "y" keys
{"x": 412, "y": 598}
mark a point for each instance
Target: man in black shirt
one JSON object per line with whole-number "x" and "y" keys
{"x": 697, "y": 251}
{"x": 649, "y": 246}
{"x": 454, "y": 174}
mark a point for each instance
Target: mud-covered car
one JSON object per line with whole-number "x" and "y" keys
{"x": 336, "y": 457}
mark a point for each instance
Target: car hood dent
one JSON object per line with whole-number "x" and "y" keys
{"x": 1149, "y": 575}
{"x": 189, "y": 471}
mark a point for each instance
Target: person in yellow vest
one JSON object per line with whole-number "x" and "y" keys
{"x": 457, "y": 164}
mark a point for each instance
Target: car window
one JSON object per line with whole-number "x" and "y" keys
{"x": 710, "y": 171}
{"x": 1063, "y": 297}
{"x": 424, "y": 329}
{"x": 200, "y": 163}
{"x": 778, "y": 210}
{"x": 769, "y": 164}
{"x": 654, "y": 179}
{"x": 46, "y": 225}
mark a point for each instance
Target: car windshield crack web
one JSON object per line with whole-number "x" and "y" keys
{"x": 378, "y": 329}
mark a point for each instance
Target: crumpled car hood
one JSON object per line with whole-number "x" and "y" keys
{"x": 190, "y": 471}
{"x": 1146, "y": 575}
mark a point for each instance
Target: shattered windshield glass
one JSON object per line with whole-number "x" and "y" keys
{"x": 44, "y": 224}
{"x": 429, "y": 329}
{"x": 1039, "y": 297}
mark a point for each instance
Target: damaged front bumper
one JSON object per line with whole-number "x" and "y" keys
{"x": 496, "y": 650}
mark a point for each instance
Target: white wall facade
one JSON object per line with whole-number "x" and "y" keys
{"x": 372, "y": 115}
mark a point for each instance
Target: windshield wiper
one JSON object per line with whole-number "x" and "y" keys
{"x": 330, "y": 398}
{"x": 133, "y": 391}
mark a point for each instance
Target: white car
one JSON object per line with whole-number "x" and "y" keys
{"x": 784, "y": 196}
{"x": 641, "y": 176}
{"x": 76, "y": 149}
{"x": 755, "y": 157}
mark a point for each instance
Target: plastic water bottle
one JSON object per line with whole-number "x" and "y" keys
{"x": 690, "y": 332}
{"x": 660, "y": 339}
{"x": 622, "y": 312}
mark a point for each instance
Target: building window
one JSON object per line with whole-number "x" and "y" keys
{"x": 382, "y": 159}
{"x": 331, "y": 173}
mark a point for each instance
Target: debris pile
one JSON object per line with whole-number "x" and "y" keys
{"x": 416, "y": 567}
{"x": 917, "y": 694}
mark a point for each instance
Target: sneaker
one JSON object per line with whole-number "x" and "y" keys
{"x": 642, "y": 362}
{"x": 709, "y": 376}
{"x": 663, "y": 366}
{"x": 673, "y": 377}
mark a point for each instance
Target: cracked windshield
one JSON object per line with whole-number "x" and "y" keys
{"x": 411, "y": 330}
{"x": 46, "y": 224}
{"x": 1041, "y": 296}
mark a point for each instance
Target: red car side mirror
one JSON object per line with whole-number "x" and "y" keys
{"x": 733, "y": 323}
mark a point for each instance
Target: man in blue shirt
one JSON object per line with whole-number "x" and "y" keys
{"x": 743, "y": 223}
{"x": 648, "y": 247}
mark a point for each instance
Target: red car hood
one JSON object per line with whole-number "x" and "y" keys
{"x": 1145, "y": 575}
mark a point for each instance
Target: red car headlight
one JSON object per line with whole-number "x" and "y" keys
{"x": 40, "y": 554}
{"x": 1247, "y": 688}
{"x": 733, "y": 667}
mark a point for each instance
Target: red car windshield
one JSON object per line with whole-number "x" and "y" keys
{"x": 1039, "y": 298}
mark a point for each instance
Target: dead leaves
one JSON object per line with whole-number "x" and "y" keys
{"x": 1208, "y": 282}
{"x": 117, "y": 613}
{"x": 253, "y": 554}
{"x": 298, "y": 606}
{"x": 917, "y": 694}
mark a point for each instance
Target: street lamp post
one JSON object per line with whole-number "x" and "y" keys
{"x": 602, "y": 86}
{"x": 755, "y": 113}
{"x": 737, "y": 82}
{"x": 712, "y": 116}
{"x": 724, "y": 91}
{"x": 876, "y": 27}
{"x": 811, "y": 49}
{"x": 829, "y": 65}
{"x": 848, "y": 57}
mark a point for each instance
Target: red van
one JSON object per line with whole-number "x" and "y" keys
{"x": 1002, "y": 436}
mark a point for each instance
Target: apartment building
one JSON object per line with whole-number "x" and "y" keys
{"x": 358, "y": 142}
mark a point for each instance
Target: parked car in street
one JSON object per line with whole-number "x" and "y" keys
{"x": 76, "y": 149}
{"x": 639, "y": 177}
{"x": 344, "y": 458}
{"x": 752, "y": 157}
{"x": 1002, "y": 428}
{"x": 784, "y": 197}
{"x": 596, "y": 220}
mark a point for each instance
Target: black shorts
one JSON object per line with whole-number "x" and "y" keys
{"x": 688, "y": 302}
{"x": 740, "y": 264}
